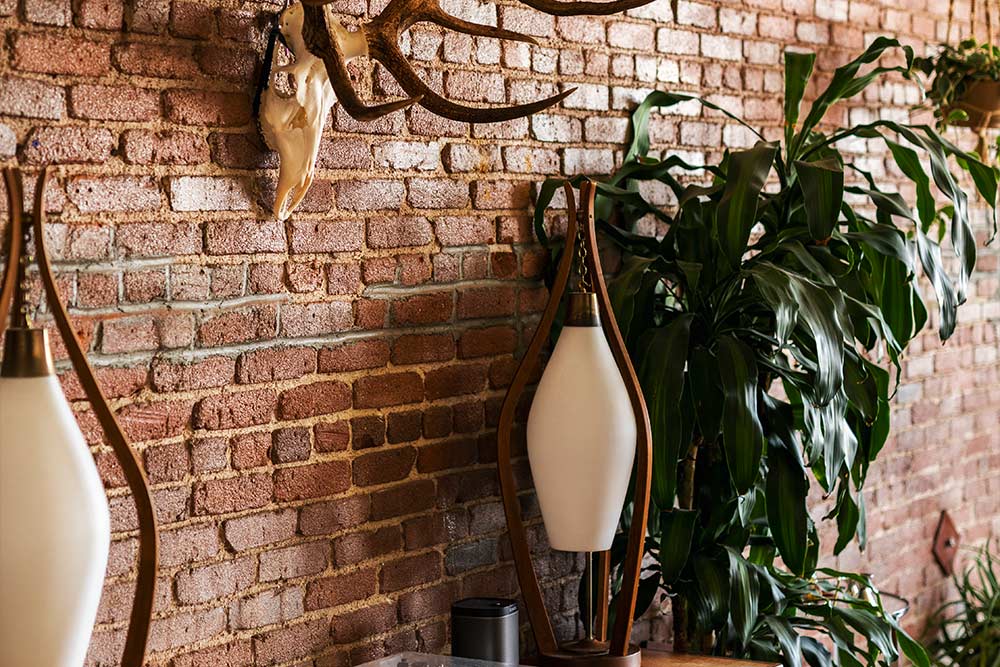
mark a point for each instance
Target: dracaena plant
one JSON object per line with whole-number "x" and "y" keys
{"x": 766, "y": 325}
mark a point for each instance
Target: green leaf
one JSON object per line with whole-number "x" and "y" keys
{"x": 787, "y": 515}
{"x": 711, "y": 599}
{"x": 845, "y": 84}
{"x": 798, "y": 71}
{"x": 640, "y": 119}
{"x": 913, "y": 651}
{"x": 703, "y": 377}
{"x": 737, "y": 212}
{"x": 662, "y": 378}
{"x": 788, "y": 293}
{"x": 909, "y": 163}
{"x": 822, "y": 185}
{"x": 622, "y": 291}
{"x": 744, "y": 597}
{"x": 743, "y": 439}
{"x": 848, "y": 516}
{"x": 676, "y": 533}
{"x": 791, "y": 648}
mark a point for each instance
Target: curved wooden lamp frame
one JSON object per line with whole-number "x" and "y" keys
{"x": 137, "y": 636}
{"x": 620, "y": 651}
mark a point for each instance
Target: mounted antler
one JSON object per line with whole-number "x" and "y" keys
{"x": 293, "y": 124}
{"x": 325, "y": 38}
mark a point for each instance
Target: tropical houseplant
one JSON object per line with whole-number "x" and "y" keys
{"x": 969, "y": 626}
{"x": 766, "y": 324}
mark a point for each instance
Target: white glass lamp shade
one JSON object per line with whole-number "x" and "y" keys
{"x": 581, "y": 441}
{"x": 54, "y": 527}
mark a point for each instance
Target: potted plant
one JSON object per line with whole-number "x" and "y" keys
{"x": 766, "y": 324}
{"x": 969, "y": 628}
{"x": 965, "y": 86}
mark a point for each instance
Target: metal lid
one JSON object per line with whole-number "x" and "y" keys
{"x": 484, "y": 607}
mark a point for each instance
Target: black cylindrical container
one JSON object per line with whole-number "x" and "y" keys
{"x": 485, "y": 629}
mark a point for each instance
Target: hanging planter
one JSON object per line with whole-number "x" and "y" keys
{"x": 981, "y": 104}
{"x": 965, "y": 79}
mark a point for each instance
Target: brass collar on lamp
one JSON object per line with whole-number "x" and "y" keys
{"x": 582, "y": 310}
{"x": 585, "y": 309}
{"x": 26, "y": 354}
{"x": 48, "y": 619}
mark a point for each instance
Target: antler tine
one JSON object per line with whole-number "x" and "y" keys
{"x": 390, "y": 56}
{"x": 584, "y": 7}
{"x": 317, "y": 37}
{"x": 433, "y": 13}
{"x": 383, "y": 35}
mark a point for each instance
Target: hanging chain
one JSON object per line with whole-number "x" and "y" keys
{"x": 22, "y": 310}
{"x": 581, "y": 259}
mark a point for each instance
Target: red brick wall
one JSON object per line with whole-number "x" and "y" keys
{"x": 314, "y": 401}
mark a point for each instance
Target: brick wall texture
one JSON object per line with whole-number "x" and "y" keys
{"x": 315, "y": 401}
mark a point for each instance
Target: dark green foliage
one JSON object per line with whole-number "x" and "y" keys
{"x": 762, "y": 325}
{"x": 953, "y": 69}
{"x": 969, "y": 627}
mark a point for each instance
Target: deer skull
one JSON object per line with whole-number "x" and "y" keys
{"x": 293, "y": 124}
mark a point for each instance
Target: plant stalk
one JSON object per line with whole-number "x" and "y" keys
{"x": 685, "y": 500}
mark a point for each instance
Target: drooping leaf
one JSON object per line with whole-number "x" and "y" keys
{"x": 791, "y": 647}
{"x": 660, "y": 99}
{"x": 703, "y": 376}
{"x": 744, "y": 597}
{"x": 676, "y": 532}
{"x": 788, "y": 292}
{"x": 662, "y": 379}
{"x": 742, "y": 436}
{"x": 737, "y": 211}
{"x": 822, "y": 184}
{"x": 787, "y": 516}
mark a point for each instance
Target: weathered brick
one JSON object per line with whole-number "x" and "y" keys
{"x": 31, "y": 98}
{"x": 274, "y": 364}
{"x": 50, "y": 145}
{"x": 423, "y": 309}
{"x": 314, "y": 480}
{"x": 204, "y": 107}
{"x": 381, "y": 467}
{"x": 420, "y": 348}
{"x": 34, "y": 53}
{"x": 330, "y": 517}
{"x": 382, "y": 391}
{"x": 93, "y": 102}
{"x": 210, "y": 582}
{"x": 410, "y": 571}
{"x": 340, "y": 589}
{"x": 211, "y": 193}
{"x": 236, "y": 410}
{"x": 114, "y": 193}
{"x": 316, "y": 319}
{"x": 290, "y": 643}
{"x": 232, "y": 494}
{"x": 313, "y": 400}
{"x": 360, "y": 546}
{"x": 256, "y": 530}
{"x": 293, "y": 562}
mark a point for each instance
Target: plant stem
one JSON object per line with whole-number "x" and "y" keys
{"x": 685, "y": 500}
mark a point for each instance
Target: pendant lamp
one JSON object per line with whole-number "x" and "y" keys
{"x": 54, "y": 518}
{"x": 587, "y": 436}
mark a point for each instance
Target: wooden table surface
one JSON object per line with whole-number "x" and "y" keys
{"x": 652, "y": 658}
